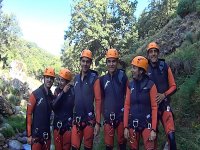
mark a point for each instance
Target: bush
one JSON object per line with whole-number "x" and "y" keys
{"x": 190, "y": 37}
{"x": 13, "y": 99}
{"x": 8, "y": 132}
{"x": 18, "y": 123}
{"x": 185, "y": 7}
{"x": 198, "y": 6}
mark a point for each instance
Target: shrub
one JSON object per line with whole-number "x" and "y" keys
{"x": 185, "y": 7}
{"x": 17, "y": 122}
{"x": 8, "y": 131}
{"x": 13, "y": 99}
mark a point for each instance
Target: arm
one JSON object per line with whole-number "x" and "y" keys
{"x": 30, "y": 109}
{"x": 59, "y": 96}
{"x": 127, "y": 107}
{"x": 154, "y": 107}
{"x": 172, "y": 84}
{"x": 57, "y": 100}
{"x": 97, "y": 94}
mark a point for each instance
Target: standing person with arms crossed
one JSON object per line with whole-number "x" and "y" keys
{"x": 140, "y": 108}
{"x": 63, "y": 111}
{"x": 161, "y": 74}
{"x": 113, "y": 87}
{"x": 86, "y": 117}
{"x": 39, "y": 112}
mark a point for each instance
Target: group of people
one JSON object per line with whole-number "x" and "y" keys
{"x": 131, "y": 109}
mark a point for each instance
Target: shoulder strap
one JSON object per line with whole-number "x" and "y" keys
{"x": 161, "y": 65}
{"x": 120, "y": 75}
{"x": 93, "y": 78}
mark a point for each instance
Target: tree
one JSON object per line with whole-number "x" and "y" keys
{"x": 155, "y": 16}
{"x": 99, "y": 25}
{"x": 9, "y": 33}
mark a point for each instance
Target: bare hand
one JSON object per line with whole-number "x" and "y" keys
{"x": 96, "y": 130}
{"x": 29, "y": 140}
{"x": 66, "y": 88}
{"x": 160, "y": 97}
{"x": 126, "y": 133}
{"x": 152, "y": 135}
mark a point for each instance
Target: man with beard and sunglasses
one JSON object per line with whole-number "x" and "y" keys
{"x": 39, "y": 112}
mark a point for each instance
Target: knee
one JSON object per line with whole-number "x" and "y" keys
{"x": 85, "y": 148}
{"x": 171, "y": 136}
{"x": 122, "y": 146}
{"x": 74, "y": 148}
{"x": 172, "y": 141}
{"x": 109, "y": 147}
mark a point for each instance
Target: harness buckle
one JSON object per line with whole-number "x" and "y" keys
{"x": 149, "y": 125}
{"x": 112, "y": 116}
{"x": 135, "y": 123}
{"x": 45, "y": 135}
{"x": 78, "y": 119}
{"x": 59, "y": 124}
{"x": 168, "y": 108}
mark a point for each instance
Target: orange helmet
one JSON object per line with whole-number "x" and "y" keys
{"x": 141, "y": 62}
{"x": 65, "y": 73}
{"x": 152, "y": 45}
{"x": 112, "y": 53}
{"x": 86, "y": 53}
{"x": 49, "y": 71}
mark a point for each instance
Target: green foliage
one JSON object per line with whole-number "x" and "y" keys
{"x": 18, "y": 123}
{"x": 99, "y": 25}
{"x": 13, "y": 99}
{"x": 186, "y": 100}
{"x": 155, "y": 17}
{"x": 188, "y": 6}
{"x": 8, "y": 132}
{"x": 12, "y": 47}
{"x": 190, "y": 37}
{"x": 35, "y": 58}
{"x": 198, "y": 6}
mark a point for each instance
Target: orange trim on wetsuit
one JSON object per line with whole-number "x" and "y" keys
{"x": 97, "y": 95}
{"x": 127, "y": 106}
{"x": 30, "y": 109}
{"x": 171, "y": 81}
{"x": 154, "y": 107}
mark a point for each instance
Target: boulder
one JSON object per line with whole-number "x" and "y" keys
{"x": 14, "y": 145}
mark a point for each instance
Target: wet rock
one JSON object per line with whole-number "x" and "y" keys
{"x": 17, "y": 109}
{"x": 24, "y": 133}
{"x": 23, "y": 140}
{"x": 15, "y": 145}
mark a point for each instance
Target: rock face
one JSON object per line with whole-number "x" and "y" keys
{"x": 174, "y": 33}
{"x": 6, "y": 108}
